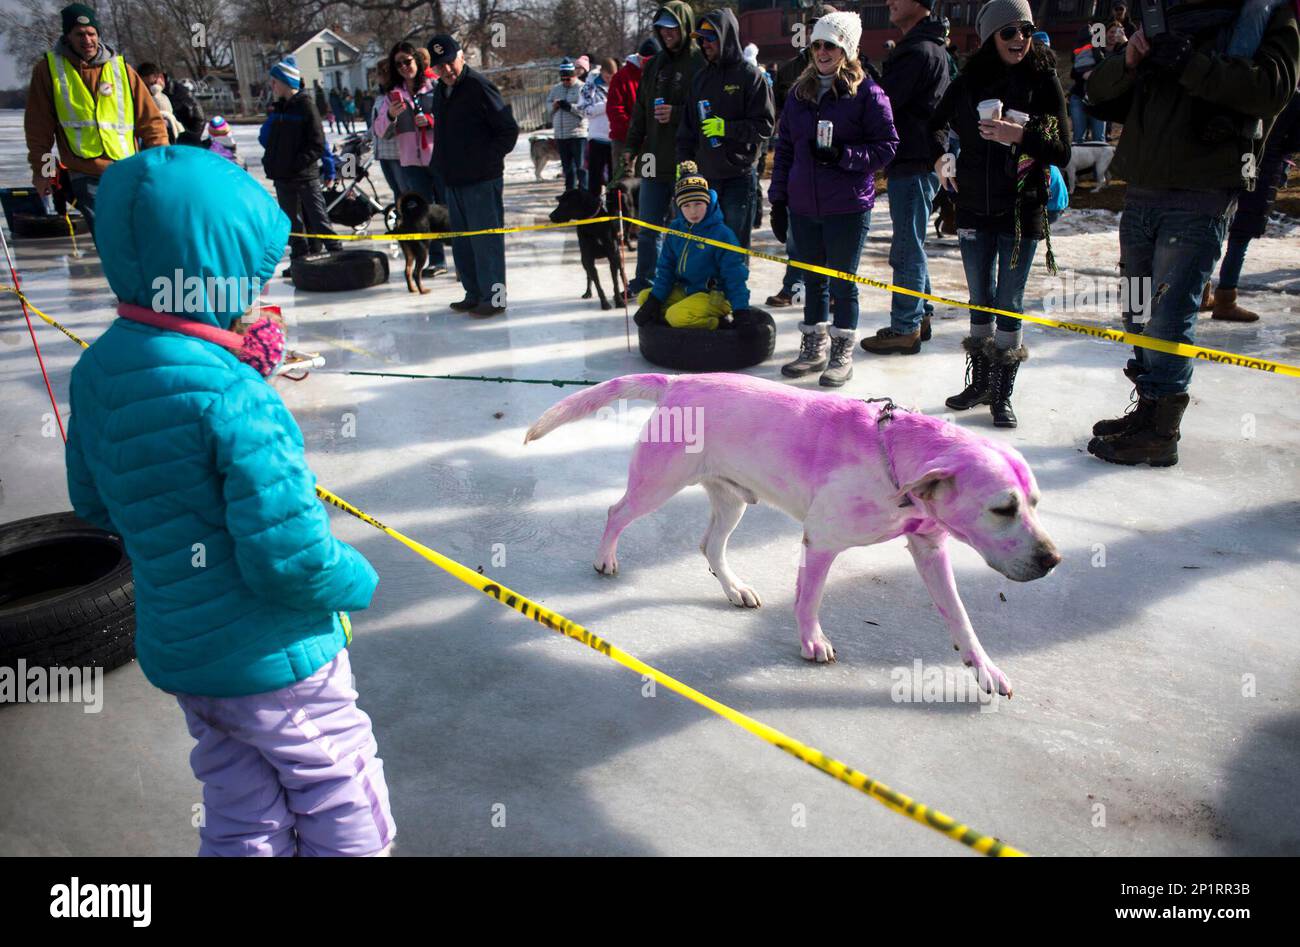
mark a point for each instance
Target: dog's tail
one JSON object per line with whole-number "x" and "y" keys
{"x": 583, "y": 403}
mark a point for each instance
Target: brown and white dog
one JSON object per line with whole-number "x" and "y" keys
{"x": 543, "y": 150}
{"x": 854, "y": 473}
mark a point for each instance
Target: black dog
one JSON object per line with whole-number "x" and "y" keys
{"x": 416, "y": 215}
{"x": 595, "y": 241}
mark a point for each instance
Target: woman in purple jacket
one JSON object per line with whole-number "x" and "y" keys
{"x": 824, "y": 191}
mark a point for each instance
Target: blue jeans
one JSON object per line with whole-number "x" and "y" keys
{"x": 1176, "y": 251}
{"x": 84, "y": 188}
{"x": 480, "y": 261}
{"x": 425, "y": 181}
{"x": 736, "y": 199}
{"x": 652, "y": 206}
{"x": 910, "y": 199}
{"x": 834, "y": 241}
{"x": 1083, "y": 124}
{"x": 986, "y": 256}
{"x": 571, "y": 150}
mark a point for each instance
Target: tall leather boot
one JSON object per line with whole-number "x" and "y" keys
{"x": 1004, "y": 364}
{"x": 977, "y": 377}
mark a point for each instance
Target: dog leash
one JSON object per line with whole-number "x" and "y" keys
{"x": 886, "y": 415}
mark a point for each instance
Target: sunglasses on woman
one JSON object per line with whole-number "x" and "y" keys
{"x": 401, "y": 63}
{"x": 818, "y": 45}
{"x": 1025, "y": 31}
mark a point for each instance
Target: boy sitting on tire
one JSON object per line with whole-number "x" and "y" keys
{"x": 683, "y": 293}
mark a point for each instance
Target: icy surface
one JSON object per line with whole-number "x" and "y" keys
{"x": 1155, "y": 692}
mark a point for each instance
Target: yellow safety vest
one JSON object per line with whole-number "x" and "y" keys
{"x": 96, "y": 126}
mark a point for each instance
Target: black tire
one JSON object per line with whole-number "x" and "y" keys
{"x": 67, "y": 596}
{"x": 45, "y": 225}
{"x": 347, "y": 269}
{"x": 721, "y": 350}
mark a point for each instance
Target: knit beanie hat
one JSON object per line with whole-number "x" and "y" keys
{"x": 286, "y": 70}
{"x": 583, "y": 63}
{"x": 649, "y": 48}
{"x": 691, "y": 185}
{"x": 842, "y": 29}
{"x": 999, "y": 13}
{"x": 77, "y": 14}
{"x": 218, "y": 126}
{"x": 566, "y": 67}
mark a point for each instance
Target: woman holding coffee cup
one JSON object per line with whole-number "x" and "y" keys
{"x": 1008, "y": 109}
{"x": 836, "y": 131}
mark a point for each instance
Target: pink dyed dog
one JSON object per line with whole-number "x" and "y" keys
{"x": 854, "y": 473}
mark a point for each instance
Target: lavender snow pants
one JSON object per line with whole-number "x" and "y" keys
{"x": 290, "y": 772}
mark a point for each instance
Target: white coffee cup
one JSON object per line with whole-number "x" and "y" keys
{"x": 989, "y": 110}
{"x": 1020, "y": 118}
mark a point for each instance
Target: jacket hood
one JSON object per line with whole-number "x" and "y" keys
{"x": 106, "y": 52}
{"x": 709, "y": 220}
{"x": 927, "y": 31}
{"x": 724, "y": 21}
{"x": 166, "y": 224}
{"x": 683, "y": 14}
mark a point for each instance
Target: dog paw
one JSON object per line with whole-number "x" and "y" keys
{"x": 605, "y": 304}
{"x": 607, "y": 566}
{"x": 990, "y": 678}
{"x": 587, "y": 294}
{"x": 817, "y": 648}
{"x": 425, "y": 292}
{"x": 743, "y": 596}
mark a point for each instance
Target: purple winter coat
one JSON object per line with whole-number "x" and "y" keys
{"x": 864, "y": 125}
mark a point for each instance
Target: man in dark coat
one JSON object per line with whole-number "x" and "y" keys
{"x": 473, "y": 131}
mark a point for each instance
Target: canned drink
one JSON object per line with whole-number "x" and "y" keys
{"x": 705, "y": 111}
{"x": 825, "y": 133}
{"x": 659, "y": 101}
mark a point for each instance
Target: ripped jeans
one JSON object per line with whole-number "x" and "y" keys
{"x": 1177, "y": 251}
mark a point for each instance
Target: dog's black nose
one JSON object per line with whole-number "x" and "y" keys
{"x": 1047, "y": 559}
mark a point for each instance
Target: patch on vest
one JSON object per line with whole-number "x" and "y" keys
{"x": 731, "y": 88}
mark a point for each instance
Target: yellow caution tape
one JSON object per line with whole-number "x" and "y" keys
{"x": 1096, "y": 332}
{"x": 904, "y": 805}
{"x": 450, "y": 234}
{"x": 58, "y": 325}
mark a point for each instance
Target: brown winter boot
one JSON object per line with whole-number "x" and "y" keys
{"x": 1226, "y": 308}
{"x": 1207, "y": 300}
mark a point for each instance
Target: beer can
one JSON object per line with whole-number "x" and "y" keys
{"x": 659, "y": 101}
{"x": 705, "y": 111}
{"x": 825, "y": 133}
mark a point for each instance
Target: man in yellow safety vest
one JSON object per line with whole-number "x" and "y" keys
{"x": 87, "y": 100}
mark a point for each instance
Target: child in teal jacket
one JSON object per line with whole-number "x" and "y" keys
{"x": 696, "y": 285}
{"x": 190, "y": 455}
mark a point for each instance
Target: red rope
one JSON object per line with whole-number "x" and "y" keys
{"x": 36, "y": 345}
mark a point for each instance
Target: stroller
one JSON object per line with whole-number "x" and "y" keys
{"x": 347, "y": 200}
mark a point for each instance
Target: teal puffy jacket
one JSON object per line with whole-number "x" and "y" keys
{"x": 695, "y": 265}
{"x": 192, "y": 457}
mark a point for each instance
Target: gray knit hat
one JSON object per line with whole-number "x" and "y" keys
{"x": 999, "y": 13}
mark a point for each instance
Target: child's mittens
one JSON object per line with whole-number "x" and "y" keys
{"x": 651, "y": 311}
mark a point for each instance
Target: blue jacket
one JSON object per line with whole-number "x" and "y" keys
{"x": 694, "y": 264}
{"x": 192, "y": 457}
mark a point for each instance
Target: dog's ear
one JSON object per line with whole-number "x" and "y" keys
{"x": 927, "y": 485}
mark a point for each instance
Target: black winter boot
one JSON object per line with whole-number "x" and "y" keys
{"x": 1151, "y": 440}
{"x": 1133, "y": 417}
{"x": 977, "y": 377}
{"x": 1003, "y": 366}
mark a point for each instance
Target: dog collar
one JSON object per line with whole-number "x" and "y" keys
{"x": 886, "y": 414}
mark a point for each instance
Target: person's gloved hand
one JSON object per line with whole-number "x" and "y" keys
{"x": 780, "y": 220}
{"x": 564, "y": 106}
{"x": 713, "y": 127}
{"x": 651, "y": 311}
{"x": 829, "y": 155}
{"x": 1170, "y": 52}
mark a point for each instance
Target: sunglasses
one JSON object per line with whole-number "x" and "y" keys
{"x": 1025, "y": 30}
{"x": 818, "y": 45}
{"x": 408, "y": 61}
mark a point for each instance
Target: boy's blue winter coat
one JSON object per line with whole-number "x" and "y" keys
{"x": 192, "y": 457}
{"x": 694, "y": 264}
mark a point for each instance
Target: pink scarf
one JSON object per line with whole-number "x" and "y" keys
{"x": 261, "y": 347}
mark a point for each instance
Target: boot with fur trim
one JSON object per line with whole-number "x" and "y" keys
{"x": 1004, "y": 364}
{"x": 977, "y": 377}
